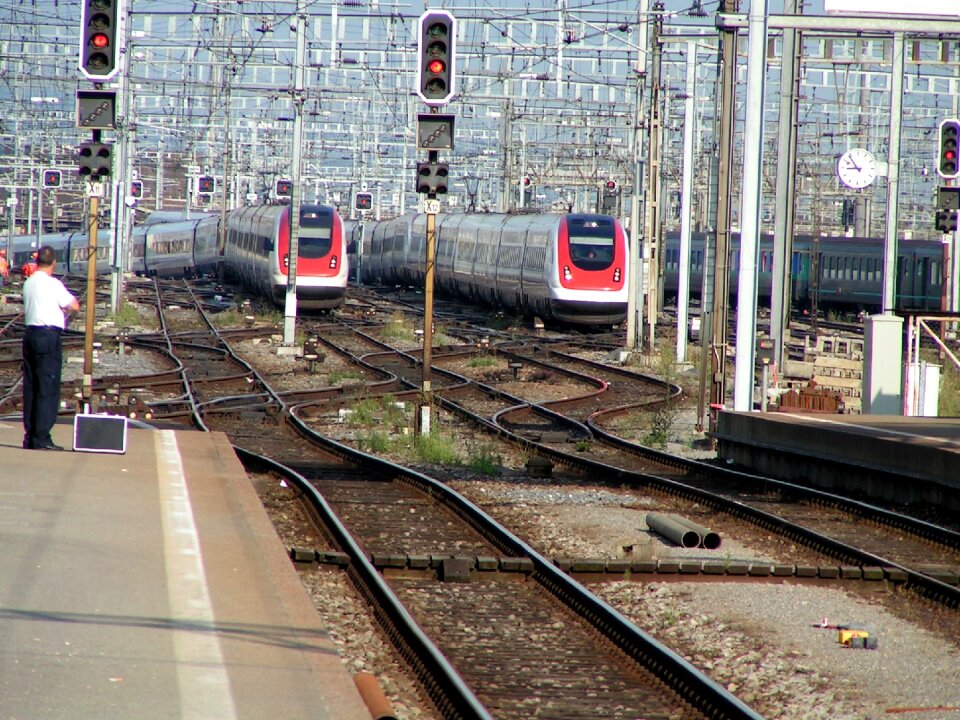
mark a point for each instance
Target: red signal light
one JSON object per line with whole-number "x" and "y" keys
{"x": 100, "y": 41}
{"x": 437, "y": 57}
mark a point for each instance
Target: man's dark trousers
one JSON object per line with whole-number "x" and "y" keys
{"x": 42, "y": 359}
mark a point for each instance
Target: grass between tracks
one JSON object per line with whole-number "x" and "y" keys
{"x": 384, "y": 426}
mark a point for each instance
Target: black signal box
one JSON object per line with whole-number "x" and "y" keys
{"x": 97, "y": 109}
{"x": 434, "y": 132}
{"x": 948, "y": 198}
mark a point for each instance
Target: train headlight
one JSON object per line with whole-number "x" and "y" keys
{"x": 286, "y": 260}
{"x": 333, "y": 262}
{"x": 616, "y": 275}
{"x": 567, "y": 275}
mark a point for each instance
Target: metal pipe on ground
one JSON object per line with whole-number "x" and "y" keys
{"x": 672, "y": 530}
{"x": 376, "y": 702}
{"x": 709, "y": 539}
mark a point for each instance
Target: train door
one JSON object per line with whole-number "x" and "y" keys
{"x": 800, "y": 278}
{"x": 904, "y": 288}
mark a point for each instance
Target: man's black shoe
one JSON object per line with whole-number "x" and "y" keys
{"x": 50, "y": 446}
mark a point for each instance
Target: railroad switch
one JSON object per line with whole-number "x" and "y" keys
{"x": 538, "y": 467}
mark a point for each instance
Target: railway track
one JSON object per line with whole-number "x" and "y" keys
{"x": 386, "y": 509}
{"x": 393, "y": 512}
{"x": 831, "y": 527}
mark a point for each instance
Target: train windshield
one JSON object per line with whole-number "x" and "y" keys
{"x": 591, "y": 243}
{"x": 316, "y": 234}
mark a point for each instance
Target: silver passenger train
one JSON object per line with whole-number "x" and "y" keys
{"x": 567, "y": 268}
{"x": 256, "y": 251}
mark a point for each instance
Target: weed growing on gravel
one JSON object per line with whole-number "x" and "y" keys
{"x": 484, "y": 461}
{"x": 126, "y": 316}
{"x": 337, "y": 377}
{"x": 227, "y": 318}
{"x": 583, "y": 446}
{"x": 398, "y": 329}
{"x": 661, "y": 424}
{"x": 375, "y": 442}
{"x": 483, "y": 361}
{"x": 364, "y": 412}
{"x": 384, "y": 411}
{"x": 436, "y": 449}
{"x": 394, "y": 413}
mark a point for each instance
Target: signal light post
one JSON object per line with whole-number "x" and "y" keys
{"x": 99, "y": 39}
{"x": 99, "y": 61}
{"x": 436, "y": 84}
{"x": 948, "y": 163}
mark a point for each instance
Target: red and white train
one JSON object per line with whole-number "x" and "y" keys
{"x": 256, "y": 251}
{"x": 567, "y": 268}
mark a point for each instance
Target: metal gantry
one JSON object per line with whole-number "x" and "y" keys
{"x": 558, "y": 94}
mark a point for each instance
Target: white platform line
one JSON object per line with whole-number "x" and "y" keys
{"x": 204, "y": 683}
{"x": 872, "y": 428}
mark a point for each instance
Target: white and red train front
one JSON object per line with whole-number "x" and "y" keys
{"x": 588, "y": 280}
{"x": 258, "y": 251}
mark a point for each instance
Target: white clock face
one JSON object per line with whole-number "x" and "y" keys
{"x": 857, "y": 168}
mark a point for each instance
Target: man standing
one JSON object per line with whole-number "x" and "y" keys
{"x": 45, "y": 302}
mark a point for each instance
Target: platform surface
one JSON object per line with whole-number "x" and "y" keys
{"x": 925, "y": 448}
{"x": 152, "y": 585}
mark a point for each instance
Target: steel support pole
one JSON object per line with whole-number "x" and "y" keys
{"x": 893, "y": 176}
{"x": 290, "y": 301}
{"x": 714, "y": 326}
{"x": 750, "y": 207}
{"x": 784, "y": 193}
{"x": 652, "y": 205}
{"x": 689, "y": 120}
{"x": 93, "y": 227}
{"x": 426, "y": 396}
{"x": 635, "y": 274}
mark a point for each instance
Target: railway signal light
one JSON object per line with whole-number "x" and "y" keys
{"x": 99, "y": 36}
{"x": 283, "y": 188}
{"x": 95, "y": 161}
{"x": 436, "y": 76}
{"x": 205, "y": 185}
{"x": 610, "y": 186}
{"x": 363, "y": 201}
{"x": 948, "y": 162}
{"x": 946, "y": 221}
{"x": 52, "y": 178}
{"x": 136, "y": 189}
{"x": 432, "y": 178}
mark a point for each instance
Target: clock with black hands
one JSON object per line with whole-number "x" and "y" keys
{"x": 857, "y": 168}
